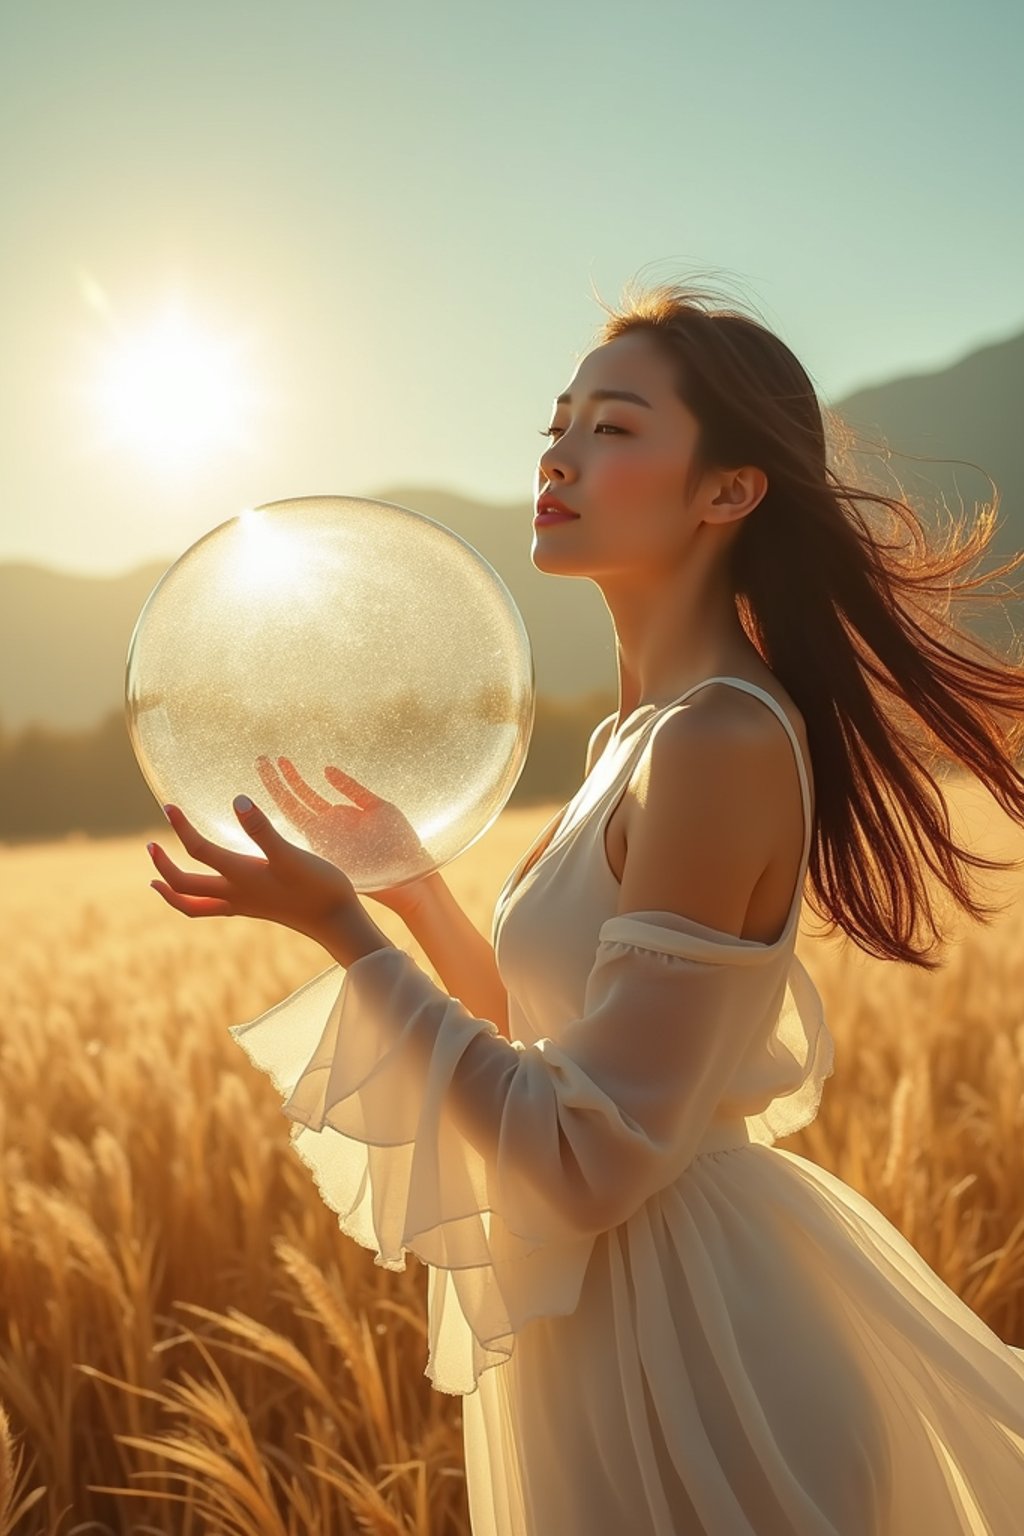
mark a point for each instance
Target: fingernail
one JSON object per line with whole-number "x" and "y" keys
{"x": 242, "y": 803}
{"x": 149, "y": 848}
{"x": 167, "y": 811}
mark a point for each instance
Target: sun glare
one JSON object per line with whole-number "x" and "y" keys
{"x": 268, "y": 557}
{"x": 175, "y": 392}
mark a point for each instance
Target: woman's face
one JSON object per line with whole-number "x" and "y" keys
{"x": 622, "y": 465}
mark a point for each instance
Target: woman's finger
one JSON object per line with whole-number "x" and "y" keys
{"x": 305, "y": 792}
{"x": 261, "y": 829}
{"x": 358, "y": 793}
{"x": 193, "y": 906}
{"x": 184, "y": 881}
{"x": 201, "y": 848}
{"x": 278, "y": 791}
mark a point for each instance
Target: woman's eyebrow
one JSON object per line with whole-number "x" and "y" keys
{"x": 609, "y": 394}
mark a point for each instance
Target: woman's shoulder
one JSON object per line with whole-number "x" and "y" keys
{"x": 702, "y": 810}
{"x": 720, "y": 732}
{"x": 722, "y": 741}
{"x": 735, "y": 717}
{"x": 712, "y": 811}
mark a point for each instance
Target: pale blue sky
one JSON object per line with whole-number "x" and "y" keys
{"x": 400, "y": 210}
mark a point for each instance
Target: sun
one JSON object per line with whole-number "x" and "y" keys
{"x": 175, "y": 392}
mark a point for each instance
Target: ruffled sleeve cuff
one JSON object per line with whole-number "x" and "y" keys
{"x": 376, "y": 1123}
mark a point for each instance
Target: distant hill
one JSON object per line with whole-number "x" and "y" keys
{"x": 968, "y": 411}
{"x": 64, "y": 638}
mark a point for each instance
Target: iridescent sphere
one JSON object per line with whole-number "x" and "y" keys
{"x": 357, "y": 669}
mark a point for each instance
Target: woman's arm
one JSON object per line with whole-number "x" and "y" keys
{"x": 456, "y": 948}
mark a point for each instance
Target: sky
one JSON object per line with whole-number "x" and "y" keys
{"x": 262, "y": 250}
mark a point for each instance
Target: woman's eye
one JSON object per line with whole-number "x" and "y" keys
{"x": 607, "y": 425}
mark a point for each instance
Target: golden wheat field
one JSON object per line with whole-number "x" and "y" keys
{"x": 187, "y": 1342}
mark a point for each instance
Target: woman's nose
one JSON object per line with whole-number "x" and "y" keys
{"x": 553, "y": 464}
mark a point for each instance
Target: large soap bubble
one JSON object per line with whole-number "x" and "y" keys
{"x": 369, "y": 646}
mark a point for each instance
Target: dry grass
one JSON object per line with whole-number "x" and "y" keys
{"x": 188, "y": 1344}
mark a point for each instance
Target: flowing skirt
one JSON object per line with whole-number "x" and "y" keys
{"x": 756, "y": 1352}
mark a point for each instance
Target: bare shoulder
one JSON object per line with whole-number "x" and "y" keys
{"x": 742, "y": 726}
{"x": 702, "y": 809}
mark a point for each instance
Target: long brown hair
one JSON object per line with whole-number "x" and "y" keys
{"x": 854, "y": 627}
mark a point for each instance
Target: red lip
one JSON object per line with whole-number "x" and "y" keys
{"x": 552, "y": 504}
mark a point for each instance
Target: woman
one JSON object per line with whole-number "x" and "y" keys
{"x": 662, "y": 1323}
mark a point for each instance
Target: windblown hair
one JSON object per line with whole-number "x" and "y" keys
{"x": 854, "y": 627}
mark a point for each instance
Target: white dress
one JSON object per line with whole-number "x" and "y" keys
{"x": 663, "y": 1324}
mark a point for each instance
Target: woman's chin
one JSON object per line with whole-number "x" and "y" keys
{"x": 550, "y": 553}
{"x": 553, "y": 562}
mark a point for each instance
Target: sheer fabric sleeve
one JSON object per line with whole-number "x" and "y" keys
{"x": 497, "y": 1163}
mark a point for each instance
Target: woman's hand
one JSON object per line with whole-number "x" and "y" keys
{"x": 289, "y": 886}
{"x": 334, "y": 830}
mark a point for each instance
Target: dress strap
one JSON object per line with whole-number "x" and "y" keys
{"x": 777, "y": 709}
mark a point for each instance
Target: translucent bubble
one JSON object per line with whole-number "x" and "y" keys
{"x": 367, "y": 645}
